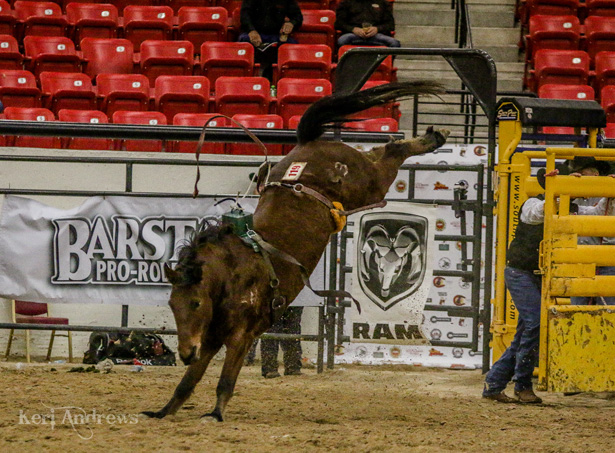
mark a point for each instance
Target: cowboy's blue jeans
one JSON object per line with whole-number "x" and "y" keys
{"x": 520, "y": 357}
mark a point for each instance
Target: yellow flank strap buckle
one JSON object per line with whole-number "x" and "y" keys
{"x": 340, "y": 220}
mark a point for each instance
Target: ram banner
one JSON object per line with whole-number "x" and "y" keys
{"x": 392, "y": 273}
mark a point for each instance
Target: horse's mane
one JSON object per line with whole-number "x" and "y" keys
{"x": 188, "y": 264}
{"x": 332, "y": 110}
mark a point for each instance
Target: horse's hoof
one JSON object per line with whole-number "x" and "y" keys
{"x": 152, "y": 414}
{"x": 211, "y": 417}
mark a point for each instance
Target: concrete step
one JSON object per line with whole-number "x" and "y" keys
{"x": 430, "y": 14}
{"x": 509, "y": 74}
{"x": 441, "y": 36}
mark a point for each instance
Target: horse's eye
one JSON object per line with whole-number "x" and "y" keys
{"x": 194, "y": 304}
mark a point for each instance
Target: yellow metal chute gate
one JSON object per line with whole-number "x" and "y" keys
{"x": 577, "y": 343}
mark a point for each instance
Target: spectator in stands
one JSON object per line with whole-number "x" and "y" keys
{"x": 289, "y": 323}
{"x": 524, "y": 285}
{"x": 264, "y": 22}
{"x": 365, "y": 23}
{"x": 589, "y": 166}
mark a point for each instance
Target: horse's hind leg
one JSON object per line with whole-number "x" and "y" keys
{"x": 191, "y": 378}
{"x": 235, "y": 353}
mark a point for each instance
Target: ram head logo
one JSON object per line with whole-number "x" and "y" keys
{"x": 391, "y": 256}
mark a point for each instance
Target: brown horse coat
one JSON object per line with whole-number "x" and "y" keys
{"x": 221, "y": 288}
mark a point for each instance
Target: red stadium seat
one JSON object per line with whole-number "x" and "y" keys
{"x": 123, "y": 92}
{"x": 374, "y": 125}
{"x": 256, "y": 122}
{"x": 229, "y": 5}
{"x": 53, "y": 53}
{"x": 607, "y": 101}
{"x": 7, "y": 19}
{"x": 609, "y": 130}
{"x": 249, "y": 95}
{"x": 107, "y": 56}
{"x": 198, "y": 119}
{"x": 92, "y": 20}
{"x": 314, "y": 4}
{"x": 85, "y": 116}
{"x": 166, "y": 58}
{"x": 599, "y": 34}
{"x": 181, "y": 94}
{"x": 318, "y": 28}
{"x": 296, "y": 95}
{"x": 600, "y": 7}
{"x": 65, "y": 90}
{"x": 18, "y": 89}
{"x": 572, "y": 92}
{"x": 199, "y": 25}
{"x": 552, "y": 7}
{"x": 32, "y": 114}
{"x": 303, "y": 61}
{"x": 147, "y": 22}
{"x": 553, "y": 32}
{"x": 605, "y": 70}
{"x": 176, "y": 5}
{"x": 386, "y": 71}
{"x": 561, "y": 67}
{"x": 148, "y": 118}
{"x": 40, "y": 19}
{"x": 232, "y": 59}
{"x": 10, "y": 57}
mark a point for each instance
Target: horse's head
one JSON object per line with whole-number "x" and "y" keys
{"x": 192, "y": 311}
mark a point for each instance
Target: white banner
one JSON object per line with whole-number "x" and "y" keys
{"x": 392, "y": 273}
{"x": 108, "y": 250}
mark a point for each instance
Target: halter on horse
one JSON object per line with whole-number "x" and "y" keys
{"x": 222, "y": 291}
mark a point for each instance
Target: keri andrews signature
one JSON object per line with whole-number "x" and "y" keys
{"x": 77, "y": 418}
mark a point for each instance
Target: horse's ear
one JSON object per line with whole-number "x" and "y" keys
{"x": 172, "y": 275}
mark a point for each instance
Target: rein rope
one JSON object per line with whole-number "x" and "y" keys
{"x": 199, "y": 146}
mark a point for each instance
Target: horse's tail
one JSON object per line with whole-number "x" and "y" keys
{"x": 333, "y": 110}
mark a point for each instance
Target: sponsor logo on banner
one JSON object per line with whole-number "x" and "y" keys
{"x": 391, "y": 256}
{"x": 121, "y": 250}
{"x": 439, "y": 282}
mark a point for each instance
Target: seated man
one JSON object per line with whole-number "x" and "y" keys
{"x": 365, "y": 23}
{"x": 269, "y": 21}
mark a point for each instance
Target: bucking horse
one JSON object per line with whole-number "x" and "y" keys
{"x": 226, "y": 292}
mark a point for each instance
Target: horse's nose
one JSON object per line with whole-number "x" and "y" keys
{"x": 188, "y": 359}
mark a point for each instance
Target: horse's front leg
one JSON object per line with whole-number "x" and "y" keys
{"x": 236, "y": 350}
{"x": 191, "y": 378}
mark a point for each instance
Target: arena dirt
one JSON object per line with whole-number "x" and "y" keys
{"x": 352, "y": 408}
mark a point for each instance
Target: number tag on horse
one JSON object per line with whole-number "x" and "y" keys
{"x": 294, "y": 171}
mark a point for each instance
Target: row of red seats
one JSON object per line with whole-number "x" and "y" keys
{"x": 175, "y": 5}
{"x": 99, "y": 56}
{"x": 582, "y": 93}
{"x": 140, "y": 23}
{"x": 171, "y": 94}
{"x": 566, "y": 33}
{"x": 572, "y": 67}
{"x": 582, "y": 9}
{"x": 267, "y": 121}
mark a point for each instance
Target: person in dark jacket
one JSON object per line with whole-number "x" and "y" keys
{"x": 269, "y": 21}
{"x": 365, "y": 23}
{"x": 524, "y": 284}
